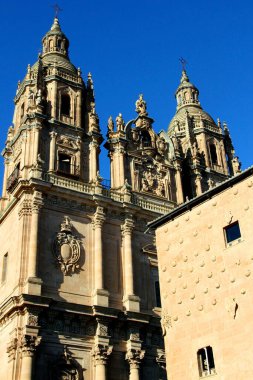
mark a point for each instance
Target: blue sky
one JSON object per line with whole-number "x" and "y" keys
{"x": 133, "y": 47}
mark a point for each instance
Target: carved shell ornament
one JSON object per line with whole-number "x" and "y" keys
{"x": 66, "y": 248}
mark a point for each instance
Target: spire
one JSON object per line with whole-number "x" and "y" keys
{"x": 186, "y": 93}
{"x": 56, "y": 26}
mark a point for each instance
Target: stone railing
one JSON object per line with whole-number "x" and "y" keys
{"x": 137, "y": 200}
{"x": 161, "y": 208}
{"x": 68, "y": 183}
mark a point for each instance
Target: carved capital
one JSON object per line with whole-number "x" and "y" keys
{"x": 28, "y": 345}
{"x": 25, "y": 208}
{"x": 99, "y": 217}
{"x": 53, "y": 135}
{"x": 101, "y": 353}
{"x": 127, "y": 227}
{"x": 37, "y": 202}
{"x": 134, "y": 358}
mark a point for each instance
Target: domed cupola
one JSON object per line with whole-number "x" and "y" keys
{"x": 55, "y": 40}
{"x": 187, "y": 93}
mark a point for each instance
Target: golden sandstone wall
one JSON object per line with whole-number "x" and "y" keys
{"x": 207, "y": 287}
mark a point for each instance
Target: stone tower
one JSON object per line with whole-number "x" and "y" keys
{"x": 79, "y": 280}
{"x": 204, "y": 147}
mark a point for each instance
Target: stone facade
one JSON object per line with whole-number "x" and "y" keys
{"x": 205, "y": 269}
{"x": 79, "y": 277}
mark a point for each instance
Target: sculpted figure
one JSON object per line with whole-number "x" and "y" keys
{"x": 141, "y": 106}
{"x": 120, "y": 122}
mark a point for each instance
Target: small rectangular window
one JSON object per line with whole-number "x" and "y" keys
{"x": 4, "y": 268}
{"x": 232, "y": 232}
{"x": 157, "y": 294}
{"x": 206, "y": 361}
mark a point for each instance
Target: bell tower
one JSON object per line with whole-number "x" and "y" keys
{"x": 205, "y": 148}
{"x": 55, "y": 126}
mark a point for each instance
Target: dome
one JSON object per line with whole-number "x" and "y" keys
{"x": 196, "y": 112}
{"x": 57, "y": 60}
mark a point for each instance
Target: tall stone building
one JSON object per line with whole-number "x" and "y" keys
{"x": 205, "y": 260}
{"x": 79, "y": 278}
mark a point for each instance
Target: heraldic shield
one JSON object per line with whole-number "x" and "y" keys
{"x": 66, "y": 248}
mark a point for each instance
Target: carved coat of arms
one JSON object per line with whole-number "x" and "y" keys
{"x": 66, "y": 248}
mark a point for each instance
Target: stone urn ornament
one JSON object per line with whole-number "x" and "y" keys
{"x": 66, "y": 248}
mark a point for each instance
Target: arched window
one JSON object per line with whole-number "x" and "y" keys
{"x": 65, "y": 105}
{"x": 213, "y": 154}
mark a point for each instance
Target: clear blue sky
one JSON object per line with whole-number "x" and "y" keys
{"x": 133, "y": 47}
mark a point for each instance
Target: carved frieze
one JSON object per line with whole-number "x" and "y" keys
{"x": 66, "y": 248}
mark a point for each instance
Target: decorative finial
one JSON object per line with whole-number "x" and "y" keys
{"x": 141, "y": 106}
{"x": 90, "y": 81}
{"x": 110, "y": 124}
{"x": 57, "y": 9}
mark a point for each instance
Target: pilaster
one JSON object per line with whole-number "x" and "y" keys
{"x": 130, "y": 300}
{"x": 102, "y": 349}
{"x": 101, "y": 295}
{"x": 28, "y": 346}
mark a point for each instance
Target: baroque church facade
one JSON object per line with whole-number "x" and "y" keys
{"x": 80, "y": 292}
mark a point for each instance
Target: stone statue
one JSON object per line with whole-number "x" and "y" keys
{"x": 120, "y": 122}
{"x": 141, "y": 106}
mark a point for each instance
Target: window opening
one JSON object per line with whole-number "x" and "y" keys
{"x": 213, "y": 154}
{"x": 146, "y": 139}
{"x": 64, "y": 163}
{"x": 4, "y": 269}
{"x": 232, "y": 232}
{"x": 22, "y": 112}
{"x": 65, "y": 105}
{"x": 157, "y": 294}
{"x": 206, "y": 361}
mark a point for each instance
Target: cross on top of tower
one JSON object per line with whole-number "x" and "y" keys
{"x": 57, "y": 9}
{"x": 183, "y": 63}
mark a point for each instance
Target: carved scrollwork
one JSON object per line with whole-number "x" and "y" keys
{"x": 66, "y": 248}
{"x": 165, "y": 323}
{"x": 134, "y": 357}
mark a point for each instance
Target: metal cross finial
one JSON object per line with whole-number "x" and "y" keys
{"x": 57, "y": 9}
{"x": 183, "y": 63}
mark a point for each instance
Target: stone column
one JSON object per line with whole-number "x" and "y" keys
{"x": 131, "y": 301}
{"x": 34, "y": 283}
{"x": 120, "y": 166}
{"x": 53, "y": 136}
{"x": 134, "y": 357}
{"x": 6, "y": 176}
{"x": 28, "y": 347}
{"x": 100, "y": 294}
{"x": 161, "y": 361}
{"x": 78, "y": 109}
{"x": 36, "y": 143}
{"x": 93, "y": 162}
{"x": 54, "y": 100}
